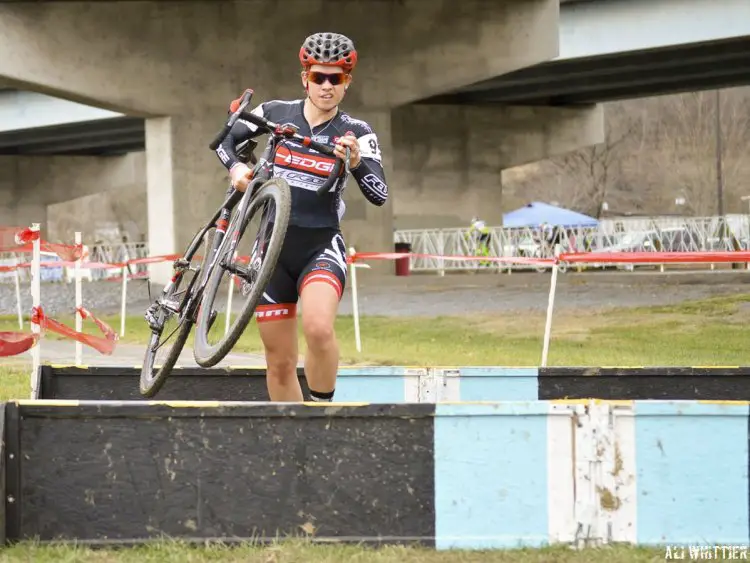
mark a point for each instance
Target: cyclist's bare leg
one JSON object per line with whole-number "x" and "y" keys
{"x": 320, "y": 301}
{"x": 279, "y": 337}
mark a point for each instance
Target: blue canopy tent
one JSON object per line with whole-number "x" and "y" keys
{"x": 536, "y": 213}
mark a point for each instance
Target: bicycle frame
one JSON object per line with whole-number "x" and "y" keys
{"x": 261, "y": 172}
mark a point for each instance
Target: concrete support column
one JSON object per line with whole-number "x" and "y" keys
{"x": 160, "y": 173}
{"x": 449, "y": 159}
{"x": 447, "y": 169}
{"x": 72, "y": 193}
{"x": 185, "y": 180}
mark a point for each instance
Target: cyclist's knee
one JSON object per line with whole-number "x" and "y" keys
{"x": 281, "y": 357}
{"x": 319, "y": 307}
{"x": 279, "y": 338}
{"x": 281, "y": 366}
{"x": 318, "y": 331}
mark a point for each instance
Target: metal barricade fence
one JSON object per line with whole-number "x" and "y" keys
{"x": 622, "y": 234}
{"x": 627, "y": 234}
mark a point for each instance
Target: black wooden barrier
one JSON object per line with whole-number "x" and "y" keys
{"x": 249, "y": 384}
{"x": 184, "y": 384}
{"x": 124, "y": 472}
{"x": 645, "y": 383}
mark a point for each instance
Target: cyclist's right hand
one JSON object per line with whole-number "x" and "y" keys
{"x": 241, "y": 176}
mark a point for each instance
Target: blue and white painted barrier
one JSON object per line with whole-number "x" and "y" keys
{"x": 640, "y": 472}
{"x": 397, "y": 384}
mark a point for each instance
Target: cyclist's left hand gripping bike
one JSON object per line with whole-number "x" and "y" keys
{"x": 189, "y": 297}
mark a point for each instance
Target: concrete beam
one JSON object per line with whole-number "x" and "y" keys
{"x": 586, "y": 29}
{"x": 594, "y": 29}
{"x": 439, "y": 46}
{"x": 131, "y": 58}
{"x": 26, "y": 110}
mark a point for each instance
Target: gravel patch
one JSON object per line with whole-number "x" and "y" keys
{"x": 533, "y": 298}
{"x": 99, "y": 297}
{"x": 431, "y": 296}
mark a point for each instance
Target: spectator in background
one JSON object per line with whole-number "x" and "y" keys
{"x": 550, "y": 237}
{"x": 481, "y": 236}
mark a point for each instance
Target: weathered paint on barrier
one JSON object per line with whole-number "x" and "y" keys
{"x": 397, "y": 384}
{"x": 448, "y": 475}
{"x": 491, "y": 475}
{"x": 693, "y": 472}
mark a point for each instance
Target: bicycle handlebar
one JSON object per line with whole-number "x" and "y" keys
{"x": 244, "y": 101}
{"x": 282, "y": 131}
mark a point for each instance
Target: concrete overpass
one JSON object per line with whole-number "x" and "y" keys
{"x": 161, "y": 74}
{"x": 620, "y": 49}
{"x": 609, "y": 50}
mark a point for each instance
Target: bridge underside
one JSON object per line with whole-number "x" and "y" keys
{"x": 106, "y": 137}
{"x": 636, "y": 74}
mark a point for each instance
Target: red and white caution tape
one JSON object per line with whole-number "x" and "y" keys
{"x": 24, "y": 242}
{"x": 707, "y": 257}
{"x": 14, "y": 343}
{"x": 364, "y": 256}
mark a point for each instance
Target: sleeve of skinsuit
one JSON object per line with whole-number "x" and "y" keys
{"x": 370, "y": 175}
{"x": 241, "y": 131}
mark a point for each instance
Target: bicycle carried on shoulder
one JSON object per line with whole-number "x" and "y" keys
{"x": 190, "y": 295}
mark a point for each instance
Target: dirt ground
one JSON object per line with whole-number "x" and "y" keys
{"x": 453, "y": 294}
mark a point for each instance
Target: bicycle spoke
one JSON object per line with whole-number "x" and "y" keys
{"x": 256, "y": 244}
{"x": 171, "y": 321}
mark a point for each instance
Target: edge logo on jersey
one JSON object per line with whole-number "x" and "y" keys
{"x": 305, "y": 162}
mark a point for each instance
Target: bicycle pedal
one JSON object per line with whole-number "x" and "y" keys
{"x": 151, "y": 319}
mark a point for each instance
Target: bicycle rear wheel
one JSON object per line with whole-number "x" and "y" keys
{"x": 175, "y": 304}
{"x": 272, "y": 203}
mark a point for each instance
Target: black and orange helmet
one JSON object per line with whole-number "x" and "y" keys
{"x": 330, "y": 49}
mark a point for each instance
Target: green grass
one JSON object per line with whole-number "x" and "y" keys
{"x": 299, "y": 552}
{"x": 712, "y": 331}
{"x": 707, "y": 332}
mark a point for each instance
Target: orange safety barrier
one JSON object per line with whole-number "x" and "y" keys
{"x": 364, "y": 256}
{"x": 17, "y": 239}
{"x": 14, "y": 343}
{"x": 703, "y": 257}
{"x": 105, "y": 345}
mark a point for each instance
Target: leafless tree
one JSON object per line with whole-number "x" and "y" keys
{"x": 686, "y": 145}
{"x": 656, "y": 150}
{"x": 591, "y": 175}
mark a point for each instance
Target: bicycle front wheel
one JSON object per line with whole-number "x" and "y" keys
{"x": 173, "y": 316}
{"x": 247, "y": 274}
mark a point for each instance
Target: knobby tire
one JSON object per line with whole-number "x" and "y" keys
{"x": 206, "y": 355}
{"x": 150, "y": 384}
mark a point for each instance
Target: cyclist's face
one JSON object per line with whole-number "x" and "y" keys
{"x": 325, "y": 85}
